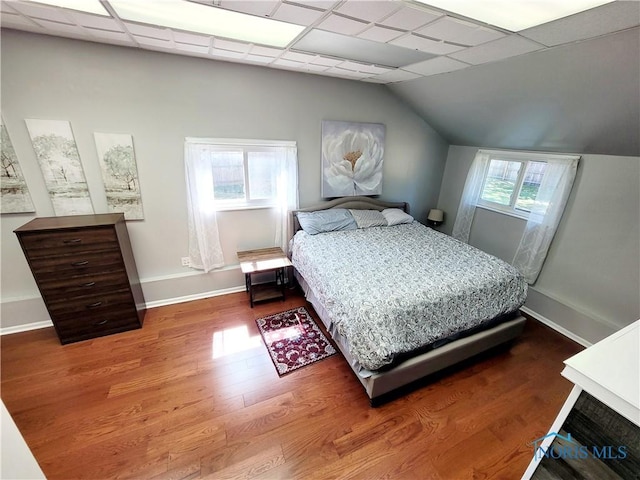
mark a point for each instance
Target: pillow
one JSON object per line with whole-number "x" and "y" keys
{"x": 395, "y": 216}
{"x": 369, "y": 218}
{"x": 331, "y": 220}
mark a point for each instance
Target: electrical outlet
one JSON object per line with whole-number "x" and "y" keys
{"x": 186, "y": 262}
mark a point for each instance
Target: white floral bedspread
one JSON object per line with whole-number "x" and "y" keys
{"x": 392, "y": 290}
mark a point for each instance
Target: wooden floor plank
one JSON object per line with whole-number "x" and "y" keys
{"x": 194, "y": 394}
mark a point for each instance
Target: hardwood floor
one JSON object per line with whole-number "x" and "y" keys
{"x": 181, "y": 398}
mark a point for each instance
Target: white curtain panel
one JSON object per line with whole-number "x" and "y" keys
{"x": 205, "y": 251}
{"x": 545, "y": 216}
{"x": 470, "y": 196}
{"x": 287, "y": 194}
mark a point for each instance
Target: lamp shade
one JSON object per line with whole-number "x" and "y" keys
{"x": 435, "y": 215}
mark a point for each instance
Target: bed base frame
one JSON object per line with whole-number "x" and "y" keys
{"x": 381, "y": 386}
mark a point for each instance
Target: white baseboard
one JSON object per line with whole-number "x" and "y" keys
{"x": 158, "y": 303}
{"x": 556, "y": 327}
{"x": 26, "y": 327}
{"x": 197, "y": 296}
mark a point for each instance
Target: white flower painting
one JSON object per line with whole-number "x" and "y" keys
{"x": 60, "y": 164}
{"x": 120, "y": 174}
{"x": 352, "y": 156}
{"x": 15, "y": 194}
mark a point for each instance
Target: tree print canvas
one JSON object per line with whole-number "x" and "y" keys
{"x": 57, "y": 154}
{"x": 120, "y": 174}
{"x": 13, "y": 188}
{"x": 352, "y": 157}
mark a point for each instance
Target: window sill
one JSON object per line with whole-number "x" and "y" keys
{"x": 523, "y": 216}
{"x": 233, "y": 208}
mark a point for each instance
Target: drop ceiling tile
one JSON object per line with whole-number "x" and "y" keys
{"x": 12, "y": 20}
{"x": 189, "y": 47}
{"x": 265, "y": 51}
{"x": 120, "y": 37}
{"x": 447, "y": 28}
{"x": 6, "y": 8}
{"x": 321, "y": 4}
{"x": 416, "y": 42}
{"x": 258, "y": 59}
{"x": 435, "y": 66}
{"x": 226, "y": 54}
{"x": 288, "y": 63}
{"x": 368, "y": 10}
{"x": 160, "y": 33}
{"x": 479, "y": 36}
{"x": 363, "y": 68}
{"x": 95, "y": 21}
{"x": 222, "y": 44}
{"x": 396, "y": 76}
{"x": 315, "y": 68}
{"x": 608, "y": 18}
{"x": 339, "y": 24}
{"x": 340, "y": 72}
{"x": 41, "y": 11}
{"x": 380, "y": 34}
{"x": 191, "y": 38}
{"x": 262, "y": 8}
{"x": 409, "y": 18}
{"x": 62, "y": 28}
{"x": 506, "y": 47}
{"x": 327, "y": 62}
{"x": 298, "y": 57}
{"x": 297, "y": 14}
{"x": 153, "y": 42}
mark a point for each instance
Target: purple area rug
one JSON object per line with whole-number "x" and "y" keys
{"x": 293, "y": 340}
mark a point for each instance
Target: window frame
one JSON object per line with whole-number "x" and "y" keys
{"x": 246, "y": 146}
{"x": 524, "y": 158}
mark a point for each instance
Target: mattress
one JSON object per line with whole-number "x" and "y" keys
{"x": 387, "y": 292}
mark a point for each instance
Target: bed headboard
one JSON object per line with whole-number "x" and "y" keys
{"x": 355, "y": 203}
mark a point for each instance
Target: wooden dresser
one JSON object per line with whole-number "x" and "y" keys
{"x": 86, "y": 273}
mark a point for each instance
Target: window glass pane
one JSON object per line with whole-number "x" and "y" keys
{"x": 228, "y": 175}
{"x": 530, "y": 185}
{"x": 501, "y": 181}
{"x": 262, "y": 175}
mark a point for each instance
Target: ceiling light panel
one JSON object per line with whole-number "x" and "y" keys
{"x": 435, "y": 66}
{"x": 194, "y": 17}
{"x": 358, "y": 49}
{"x": 88, "y": 6}
{"x": 515, "y": 15}
{"x": 368, "y": 10}
{"x": 94, "y": 21}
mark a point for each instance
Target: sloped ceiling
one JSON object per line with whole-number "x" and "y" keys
{"x": 582, "y": 97}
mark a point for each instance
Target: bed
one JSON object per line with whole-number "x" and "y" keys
{"x": 401, "y": 301}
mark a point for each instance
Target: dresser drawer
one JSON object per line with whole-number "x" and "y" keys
{"x": 57, "y": 289}
{"x": 69, "y": 242}
{"x": 89, "y": 305}
{"x": 95, "y": 324}
{"x": 66, "y": 266}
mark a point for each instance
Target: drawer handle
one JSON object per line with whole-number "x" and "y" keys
{"x": 89, "y": 284}
{"x": 73, "y": 240}
{"x": 94, "y": 305}
{"x": 100, "y": 323}
{"x": 80, "y": 264}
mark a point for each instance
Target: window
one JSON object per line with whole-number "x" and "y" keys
{"x": 511, "y": 184}
{"x": 244, "y": 172}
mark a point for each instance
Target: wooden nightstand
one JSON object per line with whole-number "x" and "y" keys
{"x": 264, "y": 260}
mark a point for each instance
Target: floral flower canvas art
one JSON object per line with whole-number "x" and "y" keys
{"x": 352, "y": 156}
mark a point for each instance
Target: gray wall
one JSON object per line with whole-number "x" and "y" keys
{"x": 590, "y": 281}
{"x": 160, "y": 99}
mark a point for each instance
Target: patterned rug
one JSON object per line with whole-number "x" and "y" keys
{"x": 293, "y": 340}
